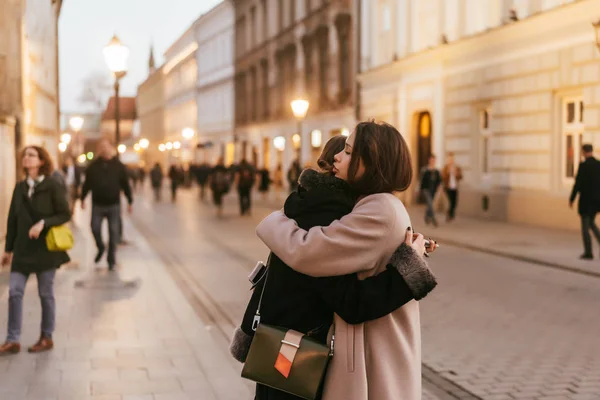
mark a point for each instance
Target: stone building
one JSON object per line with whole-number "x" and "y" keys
{"x": 214, "y": 58}
{"x": 29, "y": 104}
{"x": 286, "y": 49}
{"x": 512, "y": 87}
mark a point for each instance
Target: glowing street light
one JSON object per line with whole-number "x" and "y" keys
{"x": 161, "y": 147}
{"x": 187, "y": 133}
{"x": 137, "y": 147}
{"x": 144, "y": 143}
{"x": 279, "y": 143}
{"x": 62, "y": 147}
{"x": 169, "y": 146}
{"x": 76, "y": 123}
{"x": 345, "y": 132}
{"x": 122, "y": 148}
{"x": 177, "y": 145}
{"x": 299, "y": 108}
{"x": 65, "y": 138}
{"x": 90, "y": 156}
{"x": 116, "y": 55}
{"x": 81, "y": 159}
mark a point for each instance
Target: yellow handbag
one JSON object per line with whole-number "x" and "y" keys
{"x": 59, "y": 238}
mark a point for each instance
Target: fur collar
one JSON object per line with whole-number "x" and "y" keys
{"x": 312, "y": 179}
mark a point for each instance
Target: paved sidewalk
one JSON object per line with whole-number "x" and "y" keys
{"x": 128, "y": 335}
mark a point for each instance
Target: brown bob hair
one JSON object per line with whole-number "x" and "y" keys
{"x": 47, "y": 166}
{"x": 385, "y": 156}
{"x": 333, "y": 146}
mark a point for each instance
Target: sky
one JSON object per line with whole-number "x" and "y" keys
{"x": 86, "y": 26}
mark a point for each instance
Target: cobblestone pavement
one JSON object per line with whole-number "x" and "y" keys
{"x": 495, "y": 328}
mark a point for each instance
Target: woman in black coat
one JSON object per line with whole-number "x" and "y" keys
{"x": 306, "y": 304}
{"x": 38, "y": 204}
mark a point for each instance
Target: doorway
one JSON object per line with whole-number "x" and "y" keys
{"x": 423, "y": 139}
{"x": 266, "y": 153}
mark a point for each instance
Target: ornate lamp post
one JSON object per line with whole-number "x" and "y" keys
{"x": 76, "y": 123}
{"x": 300, "y": 108}
{"x": 116, "y": 54}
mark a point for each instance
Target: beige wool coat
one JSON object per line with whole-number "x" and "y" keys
{"x": 380, "y": 359}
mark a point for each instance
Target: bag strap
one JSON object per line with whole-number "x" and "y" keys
{"x": 256, "y": 320}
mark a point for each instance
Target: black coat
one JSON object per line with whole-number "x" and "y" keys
{"x": 106, "y": 179}
{"x": 307, "y": 304}
{"x": 587, "y": 184}
{"x": 49, "y": 201}
{"x": 430, "y": 180}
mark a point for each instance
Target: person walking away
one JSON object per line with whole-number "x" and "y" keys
{"x": 72, "y": 176}
{"x": 265, "y": 182}
{"x": 219, "y": 184}
{"x": 587, "y": 185}
{"x": 451, "y": 176}
{"x": 156, "y": 179}
{"x": 38, "y": 204}
{"x": 202, "y": 175}
{"x": 106, "y": 177}
{"x": 430, "y": 182}
{"x": 142, "y": 175}
{"x": 293, "y": 175}
{"x": 246, "y": 177}
{"x": 175, "y": 177}
{"x": 278, "y": 180}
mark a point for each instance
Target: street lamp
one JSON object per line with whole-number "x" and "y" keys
{"x": 345, "y": 132}
{"x": 300, "y": 108}
{"x": 121, "y": 148}
{"x": 65, "y": 138}
{"x": 144, "y": 143}
{"x": 62, "y": 147}
{"x": 596, "y": 26}
{"x": 116, "y": 54}
{"x": 76, "y": 123}
{"x": 279, "y": 143}
{"x": 188, "y": 133}
{"x": 177, "y": 145}
{"x": 161, "y": 147}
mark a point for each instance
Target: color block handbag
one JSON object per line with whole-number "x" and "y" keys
{"x": 285, "y": 359}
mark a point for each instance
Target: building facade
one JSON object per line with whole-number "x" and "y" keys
{"x": 511, "y": 87}
{"x": 29, "y": 103}
{"x": 214, "y": 58}
{"x": 150, "y": 102}
{"x": 181, "y": 110}
{"x": 287, "y": 49}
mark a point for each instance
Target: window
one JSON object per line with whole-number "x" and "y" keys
{"x": 386, "y": 18}
{"x": 572, "y": 135}
{"x": 254, "y": 94}
{"x": 253, "y": 27}
{"x": 322, "y": 36}
{"x": 342, "y": 24}
{"x": 265, "y": 20}
{"x": 486, "y": 136}
{"x": 264, "y": 65}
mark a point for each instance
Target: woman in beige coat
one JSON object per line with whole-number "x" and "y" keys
{"x": 381, "y": 359}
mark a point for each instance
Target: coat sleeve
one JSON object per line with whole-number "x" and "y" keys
{"x": 124, "y": 183}
{"x": 87, "y": 183}
{"x": 406, "y": 277}
{"x": 62, "y": 214}
{"x": 11, "y": 225}
{"x": 577, "y": 185}
{"x": 351, "y": 244}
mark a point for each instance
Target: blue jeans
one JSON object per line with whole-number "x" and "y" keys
{"x": 15, "y": 303}
{"x": 588, "y": 224}
{"x": 429, "y": 212}
{"x": 113, "y": 215}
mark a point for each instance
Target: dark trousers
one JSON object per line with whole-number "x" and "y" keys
{"x": 156, "y": 193}
{"x": 202, "y": 190}
{"x": 113, "y": 215}
{"x": 453, "y": 199}
{"x": 174, "y": 186}
{"x": 245, "y": 200}
{"x": 588, "y": 223}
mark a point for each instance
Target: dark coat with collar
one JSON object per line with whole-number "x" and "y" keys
{"x": 49, "y": 202}
{"x": 307, "y": 304}
{"x": 587, "y": 184}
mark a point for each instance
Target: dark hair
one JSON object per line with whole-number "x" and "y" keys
{"x": 385, "y": 156}
{"x": 587, "y": 148}
{"x": 431, "y": 157}
{"x": 333, "y": 146}
{"x": 47, "y": 167}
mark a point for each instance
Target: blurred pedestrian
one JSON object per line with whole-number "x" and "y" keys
{"x": 72, "y": 175}
{"x": 587, "y": 185}
{"x": 156, "y": 179}
{"x": 38, "y": 204}
{"x": 265, "y": 182}
{"x": 176, "y": 177}
{"x": 202, "y": 175}
{"x": 134, "y": 176}
{"x": 451, "y": 176}
{"x": 278, "y": 180}
{"x": 142, "y": 174}
{"x": 219, "y": 184}
{"x": 430, "y": 182}
{"x": 106, "y": 177}
{"x": 246, "y": 176}
{"x": 293, "y": 175}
